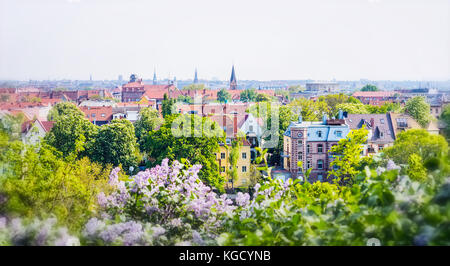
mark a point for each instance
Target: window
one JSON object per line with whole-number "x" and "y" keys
{"x": 380, "y": 147}
{"x": 335, "y": 167}
{"x": 308, "y": 164}
{"x": 339, "y": 133}
{"x": 319, "y": 148}
{"x": 103, "y": 115}
{"x": 401, "y": 122}
{"x": 381, "y": 134}
{"x": 244, "y": 155}
{"x": 244, "y": 181}
{"x": 300, "y": 156}
{"x": 222, "y": 169}
{"x": 222, "y": 155}
{"x": 250, "y": 128}
{"x": 320, "y": 178}
{"x": 320, "y": 164}
{"x": 244, "y": 169}
{"x": 228, "y": 141}
{"x": 308, "y": 148}
{"x": 319, "y": 134}
{"x": 92, "y": 115}
{"x": 382, "y": 121}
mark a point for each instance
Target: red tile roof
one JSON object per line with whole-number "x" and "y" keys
{"x": 101, "y": 113}
{"x": 47, "y": 125}
{"x": 373, "y": 94}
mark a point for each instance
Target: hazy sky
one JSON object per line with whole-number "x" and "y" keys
{"x": 266, "y": 40}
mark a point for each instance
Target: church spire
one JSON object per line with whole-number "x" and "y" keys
{"x": 233, "y": 81}
{"x": 155, "y": 81}
{"x": 195, "y": 77}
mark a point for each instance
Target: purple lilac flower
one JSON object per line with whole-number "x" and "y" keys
{"x": 242, "y": 199}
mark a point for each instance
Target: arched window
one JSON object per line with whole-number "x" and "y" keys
{"x": 308, "y": 148}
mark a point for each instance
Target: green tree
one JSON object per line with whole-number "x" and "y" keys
{"x": 39, "y": 181}
{"x": 333, "y": 100}
{"x": 195, "y": 87}
{"x": 12, "y": 125}
{"x": 223, "y": 96}
{"x": 149, "y": 120}
{"x": 248, "y": 95}
{"x": 417, "y": 141}
{"x": 185, "y": 99}
{"x": 416, "y": 171}
{"x": 419, "y": 109}
{"x": 116, "y": 144}
{"x": 353, "y": 108}
{"x": 232, "y": 173}
{"x": 347, "y": 155}
{"x": 369, "y": 87}
{"x": 262, "y": 98}
{"x": 64, "y": 108}
{"x": 167, "y": 105}
{"x": 445, "y": 118}
{"x": 195, "y": 139}
{"x": 69, "y": 129}
{"x": 310, "y": 110}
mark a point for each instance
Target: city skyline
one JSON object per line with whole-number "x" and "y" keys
{"x": 317, "y": 40}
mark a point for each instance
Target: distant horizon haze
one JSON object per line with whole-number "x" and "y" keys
{"x": 347, "y": 40}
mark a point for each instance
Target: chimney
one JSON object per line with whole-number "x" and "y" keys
{"x": 341, "y": 114}
{"x": 324, "y": 119}
{"x": 372, "y": 122}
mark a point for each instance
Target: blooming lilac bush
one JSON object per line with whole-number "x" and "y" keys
{"x": 171, "y": 197}
{"x": 18, "y": 232}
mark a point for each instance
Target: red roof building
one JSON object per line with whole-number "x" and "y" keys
{"x": 98, "y": 115}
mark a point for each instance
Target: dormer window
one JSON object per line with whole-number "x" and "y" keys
{"x": 319, "y": 134}
{"x": 338, "y": 133}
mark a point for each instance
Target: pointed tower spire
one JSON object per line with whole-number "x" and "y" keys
{"x": 155, "y": 81}
{"x": 195, "y": 77}
{"x": 233, "y": 81}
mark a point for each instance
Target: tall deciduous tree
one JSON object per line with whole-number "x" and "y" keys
{"x": 445, "y": 117}
{"x": 39, "y": 182}
{"x": 417, "y": 141}
{"x": 369, "y": 87}
{"x": 64, "y": 108}
{"x": 248, "y": 95}
{"x": 347, "y": 155}
{"x": 419, "y": 109}
{"x": 333, "y": 100}
{"x": 167, "y": 105}
{"x": 310, "y": 110}
{"x": 223, "y": 96}
{"x": 149, "y": 120}
{"x": 197, "y": 140}
{"x": 116, "y": 144}
{"x": 70, "y": 128}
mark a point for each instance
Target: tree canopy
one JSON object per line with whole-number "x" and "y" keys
{"x": 198, "y": 144}
{"x": 223, "y": 96}
{"x": 419, "y": 109}
{"x": 248, "y": 95}
{"x": 369, "y": 87}
{"x": 116, "y": 144}
{"x": 416, "y": 141}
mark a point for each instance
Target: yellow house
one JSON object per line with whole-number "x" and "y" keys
{"x": 243, "y": 164}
